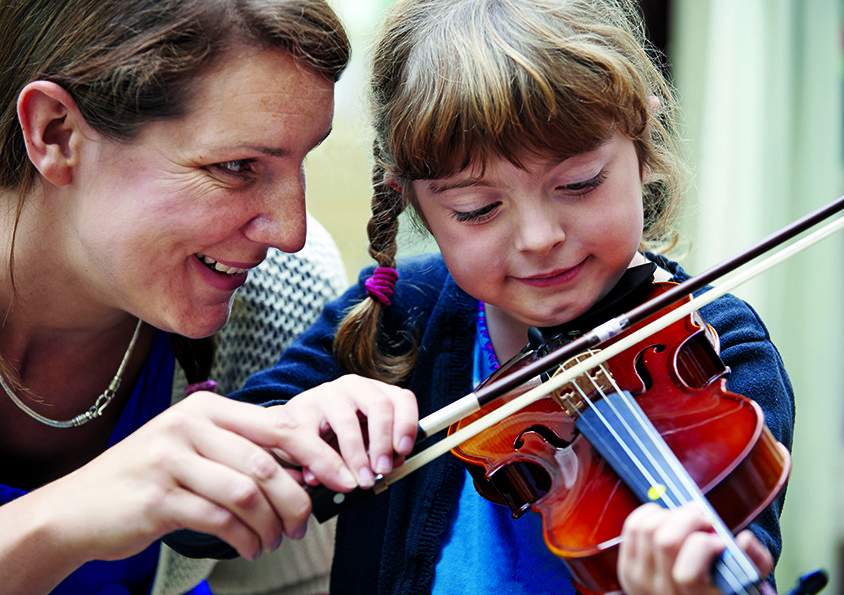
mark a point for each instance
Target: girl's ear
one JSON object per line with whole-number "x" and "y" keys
{"x": 52, "y": 127}
{"x": 653, "y": 108}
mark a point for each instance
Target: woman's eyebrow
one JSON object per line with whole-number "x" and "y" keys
{"x": 277, "y": 152}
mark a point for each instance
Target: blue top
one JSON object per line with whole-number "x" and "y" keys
{"x": 150, "y": 397}
{"x": 512, "y": 551}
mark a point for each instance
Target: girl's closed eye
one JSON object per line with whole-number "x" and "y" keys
{"x": 586, "y": 186}
{"x": 477, "y": 215}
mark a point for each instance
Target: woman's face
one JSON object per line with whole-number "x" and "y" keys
{"x": 168, "y": 225}
{"x": 543, "y": 243}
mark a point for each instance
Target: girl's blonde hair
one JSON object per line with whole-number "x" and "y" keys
{"x": 459, "y": 82}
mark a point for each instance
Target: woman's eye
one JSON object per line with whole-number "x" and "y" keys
{"x": 476, "y": 216}
{"x": 586, "y": 186}
{"x": 238, "y": 167}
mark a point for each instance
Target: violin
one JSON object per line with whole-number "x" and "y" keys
{"x": 740, "y": 476}
{"x": 653, "y": 423}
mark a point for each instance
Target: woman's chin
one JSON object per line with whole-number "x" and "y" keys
{"x": 202, "y": 325}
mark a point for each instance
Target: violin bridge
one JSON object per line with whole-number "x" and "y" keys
{"x": 573, "y": 395}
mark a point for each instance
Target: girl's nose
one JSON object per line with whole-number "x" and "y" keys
{"x": 539, "y": 231}
{"x": 281, "y": 221}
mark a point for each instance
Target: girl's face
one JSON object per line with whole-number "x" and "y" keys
{"x": 543, "y": 243}
{"x": 169, "y": 224}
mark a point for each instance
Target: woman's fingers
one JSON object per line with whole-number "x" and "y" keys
{"x": 248, "y": 481}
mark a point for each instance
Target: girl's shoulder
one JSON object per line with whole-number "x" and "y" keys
{"x": 734, "y": 319}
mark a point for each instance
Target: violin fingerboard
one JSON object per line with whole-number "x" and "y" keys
{"x": 624, "y": 436}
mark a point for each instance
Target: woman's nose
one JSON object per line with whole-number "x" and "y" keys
{"x": 281, "y": 221}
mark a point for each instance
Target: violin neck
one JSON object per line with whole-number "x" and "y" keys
{"x": 624, "y": 436}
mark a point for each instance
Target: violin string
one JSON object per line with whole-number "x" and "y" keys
{"x": 674, "y": 469}
{"x": 666, "y": 479}
{"x": 633, "y": 337}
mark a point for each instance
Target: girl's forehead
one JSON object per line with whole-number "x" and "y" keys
{"x": 465, "y": 164}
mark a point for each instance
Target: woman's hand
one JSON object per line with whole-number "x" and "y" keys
{"x": 208, "y": 464}
{"x": 671, "y": 551}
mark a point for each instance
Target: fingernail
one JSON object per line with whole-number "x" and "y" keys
{"x": 385, "y": 465}
{"x": 347, "y": 480}
{"x": 277, "y": 543}
{"x": 309, "y": 477}
{"x": 298, "y": 532}
{"x": 405, "y": 445}
{"x": 256, "y": 554}
{"x": 367, "y": 480}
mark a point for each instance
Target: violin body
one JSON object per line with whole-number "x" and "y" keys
{"x": 540, "y": 460}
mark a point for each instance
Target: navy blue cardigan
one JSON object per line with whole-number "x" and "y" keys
{"x": 389, "y": 544}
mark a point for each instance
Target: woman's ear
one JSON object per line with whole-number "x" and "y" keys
{"x": 52, "y": 129}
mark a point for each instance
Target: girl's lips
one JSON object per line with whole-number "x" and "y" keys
{"x": 553, "y": 278}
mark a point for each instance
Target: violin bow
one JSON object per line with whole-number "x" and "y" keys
{"x": 327, "y": 503}
{"x": 472, "y": 402}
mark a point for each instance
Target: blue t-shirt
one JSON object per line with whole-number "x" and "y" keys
{"x": 132, "y": 575}
{"x": 512, "y": 552}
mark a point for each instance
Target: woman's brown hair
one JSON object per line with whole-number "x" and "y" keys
{"x": 129, "y": 62}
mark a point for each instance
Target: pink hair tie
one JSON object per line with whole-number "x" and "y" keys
{"x": 207, "y": 385}
{"x": 381, "y": 284}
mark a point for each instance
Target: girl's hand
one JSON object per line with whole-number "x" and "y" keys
{"x": 670, "y": 552}
{"x": 372, "y": 425}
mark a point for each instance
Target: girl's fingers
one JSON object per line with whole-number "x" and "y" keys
{"x": 692, "y": 566}
{"x": 757, "y": 552}
{"x": 389, "y": 417}
{"x": 391, "y": 421}
{"x": 652, "y": 539}
{"x": 406, "y": 424}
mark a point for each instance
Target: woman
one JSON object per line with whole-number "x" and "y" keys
{"x": 152, "y": 153}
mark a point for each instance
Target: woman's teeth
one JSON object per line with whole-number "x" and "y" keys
{"x": 219, "y": 267}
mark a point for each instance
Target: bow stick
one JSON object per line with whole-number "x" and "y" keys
{"x": 471, "y": 403}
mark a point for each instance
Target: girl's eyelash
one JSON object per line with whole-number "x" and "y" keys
{"x": 475, "y": 216}
{"x": 586, "y": 186}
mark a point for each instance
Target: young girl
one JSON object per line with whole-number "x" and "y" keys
{"x": 535, "y": 141}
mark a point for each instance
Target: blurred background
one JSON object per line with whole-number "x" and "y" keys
{"x": 760, "y": 83}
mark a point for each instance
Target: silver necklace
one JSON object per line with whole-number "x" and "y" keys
{"x": 96, "y": 409}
